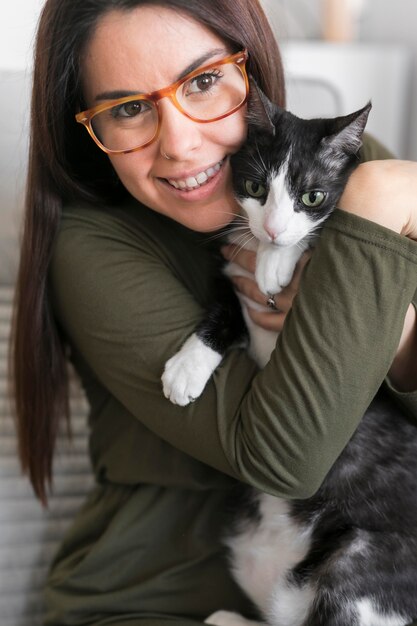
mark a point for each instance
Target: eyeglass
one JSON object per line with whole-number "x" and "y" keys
{"x": 208, "y": 94}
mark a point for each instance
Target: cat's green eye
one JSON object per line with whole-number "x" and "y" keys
{"x": 313, "y": 199}
{"x": 254, "y": 189}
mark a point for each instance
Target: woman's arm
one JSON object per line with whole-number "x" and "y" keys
{"x": 385, "y": 192}
{"x": 129, "y": 288}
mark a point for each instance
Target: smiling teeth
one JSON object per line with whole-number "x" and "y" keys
{"x": 193, "y": 182}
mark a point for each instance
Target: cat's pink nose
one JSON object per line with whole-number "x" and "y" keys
{"x": 271, "y": 232}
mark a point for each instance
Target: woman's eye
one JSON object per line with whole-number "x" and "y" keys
{"x": 203, "y": 82}
{"x": 254, "y": 189}
{"x": 313, "y": 199}
{"x": 129, "y": 109}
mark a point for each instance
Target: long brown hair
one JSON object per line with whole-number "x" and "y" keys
{"x": 65, "y": 165}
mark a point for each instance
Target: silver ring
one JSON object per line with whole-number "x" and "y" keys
{"x": 164, "y": 154}
{"x": 271, "y": 302}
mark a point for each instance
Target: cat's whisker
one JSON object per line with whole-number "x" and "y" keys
{"x": 258, "y": 168}
{"x": 258, "y": 233}
{"x": 263, "y": 164}
{"x": 313, "y": 232}
{"x": 236, "y": 227}
{"x": 244, "y": 242}
{"x": 215, "y": 237}
{"x": 242, "y": 229}
{"x": 237, "y": 215}
{"x": 243, "y": 239}
{"x": 299, "y": 245}
{"x": 230, "y": 231}
{"x": 239, "y": 224}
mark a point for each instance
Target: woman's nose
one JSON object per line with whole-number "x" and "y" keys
{"x": 178, "y": 135}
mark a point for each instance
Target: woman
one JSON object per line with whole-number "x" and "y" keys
{"x": 115, "y": 270}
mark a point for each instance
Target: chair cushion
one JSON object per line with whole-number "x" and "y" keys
{"x": 30, "y": 535}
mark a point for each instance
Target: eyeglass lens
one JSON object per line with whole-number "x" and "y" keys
{"x": 207, "y": 96}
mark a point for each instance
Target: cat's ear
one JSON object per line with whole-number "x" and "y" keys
{"x": 261, "y": 111}
{"x": 346, "y": 131}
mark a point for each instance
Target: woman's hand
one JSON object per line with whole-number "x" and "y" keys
{"x": 268, "y": 319}
{"x": 384, "y": 192}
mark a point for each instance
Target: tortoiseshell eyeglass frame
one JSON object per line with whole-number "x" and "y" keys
{"x": 85, "y": 117}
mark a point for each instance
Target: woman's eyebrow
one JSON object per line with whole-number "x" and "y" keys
{"x": 204, "y": 57}
{"x": 115, "y": 95}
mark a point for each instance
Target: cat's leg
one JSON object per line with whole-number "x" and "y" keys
{"x": 227, "y": 618}
{"x": 187, "y": 372}
{"x": 366, "y": 579}
{"x": 275, "y": 266}
{"x": 360, "y": 612}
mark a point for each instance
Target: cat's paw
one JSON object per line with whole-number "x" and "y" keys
{"x": 227, "y": 618}
{"x": 275, "y": 267}
{"x": 187, "y": 372}
{"x": 285, "y": 271}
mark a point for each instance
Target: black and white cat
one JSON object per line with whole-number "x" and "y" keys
{"x": 288, "y": 177}
{"x": 346, "y": 556}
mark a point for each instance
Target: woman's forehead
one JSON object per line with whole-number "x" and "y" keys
{"x": 145, "y": 49}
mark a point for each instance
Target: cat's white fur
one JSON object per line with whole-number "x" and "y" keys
{"x": 264, "y": 553}
{"x": 369, "y": 615}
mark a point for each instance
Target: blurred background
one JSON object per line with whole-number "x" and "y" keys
{"x": 338, "y": 54}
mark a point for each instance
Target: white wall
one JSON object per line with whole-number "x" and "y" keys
{"x": 388, "y": 21}
{"x": 18, "y": 20}
{"x": 384, "y": 21}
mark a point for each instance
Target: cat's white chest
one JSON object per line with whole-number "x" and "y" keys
{"x": 265, "y": 551}
{"x": 262, "y": 341}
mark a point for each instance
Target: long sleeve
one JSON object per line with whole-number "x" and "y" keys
{"x": 129, "y": 287}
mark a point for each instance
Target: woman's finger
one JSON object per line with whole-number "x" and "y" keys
{"x": 273, "y": 319}
{"x": 249, "y": 288}
{"x": 270, "y": 321}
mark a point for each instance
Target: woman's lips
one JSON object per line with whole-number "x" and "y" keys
{"x": 193, "y": 182}
{"x": 200, "y": 190}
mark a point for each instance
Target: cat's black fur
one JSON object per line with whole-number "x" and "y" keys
{"x": 364, "y": 525}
